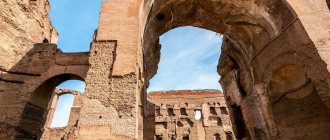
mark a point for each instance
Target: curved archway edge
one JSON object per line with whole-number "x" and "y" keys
{"x": 261, "y": 37}
{"x": 259, "y": 41}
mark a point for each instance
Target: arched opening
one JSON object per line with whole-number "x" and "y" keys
{"x": 255, "y": 34}
{"x": 35, "y": 117}
{"x": 238, "y": 38}
{"x": 65, "y": 98}
{"x": 296, "y": 105}
{"x": 189, "y": 59}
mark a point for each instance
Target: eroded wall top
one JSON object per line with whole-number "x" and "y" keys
{"x": 22, "y": 24}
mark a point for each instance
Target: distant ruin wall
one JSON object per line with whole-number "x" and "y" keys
{"x": 175, "y": 111}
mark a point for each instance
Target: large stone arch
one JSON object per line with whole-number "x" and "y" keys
{"x": 243, "y": 23}
{"x": 257, "y": 32}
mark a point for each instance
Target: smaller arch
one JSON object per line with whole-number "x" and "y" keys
{"x": 314, "y": 69}
{"x": 34, "y": 116}
{"x": 61, "y": 106}
{"x": 286, "y": 80}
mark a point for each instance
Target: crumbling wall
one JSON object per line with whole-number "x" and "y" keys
{"x": 174, "y": 115}
{"x": 119, "y": 22}
{"x": 22, "y": 24}
{"x": 26, "y": 90}
{"x": 96, "y": 112}
{"x": 108, "y": 105}
{"x": 16, "y": 88}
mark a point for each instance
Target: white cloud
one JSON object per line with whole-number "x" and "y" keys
{"x": 204, "y": 81}
{"x": 189, "y": 57}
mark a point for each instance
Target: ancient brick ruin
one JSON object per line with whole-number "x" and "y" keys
{"x": 274, "y": 67}
{"x": 172, "y": 115}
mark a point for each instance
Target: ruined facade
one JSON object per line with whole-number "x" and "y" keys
{"x": 274, "y": 66}
{"x": 175, "y": 115}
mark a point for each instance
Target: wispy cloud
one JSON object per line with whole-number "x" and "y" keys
{"x": 189, "y": 57}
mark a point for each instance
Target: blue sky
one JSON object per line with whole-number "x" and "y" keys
{"x": 189, "y": 55}
{"x": 76, "y": 21}
{"x": 189, "y": 59}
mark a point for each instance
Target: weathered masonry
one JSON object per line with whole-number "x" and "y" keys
{"x": 175, "y": 115}
{"x": 274, "y": 64}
